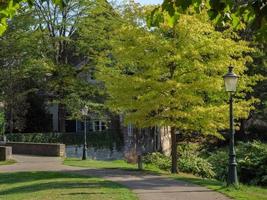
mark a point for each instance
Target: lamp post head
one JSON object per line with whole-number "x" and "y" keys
{"x": 230, "y": 80}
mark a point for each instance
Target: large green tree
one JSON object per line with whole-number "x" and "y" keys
{"x": 50, "y": 50}
{"x": 71, "y": 68}
{"x": 9, "y": 8}
{"x": 172, "y": 75}
{"x": 92, "y": 39}
{"x": 248, "y": 14}
{"x": 248, "y": 19}
{"x": 22, "y": 68}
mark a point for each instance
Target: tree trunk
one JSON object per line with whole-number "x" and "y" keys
{"x": 62, "y": 120}
{"x": 174, "y": 169}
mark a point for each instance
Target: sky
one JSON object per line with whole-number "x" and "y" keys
{"x": 145, "y": 2}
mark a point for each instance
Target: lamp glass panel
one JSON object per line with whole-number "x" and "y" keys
{"x": 230, "y": 83}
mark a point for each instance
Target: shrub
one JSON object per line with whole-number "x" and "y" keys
{"x": 34, "y": 137}
{"x": 159, "y": 160}
{"x": 251, "y": 160}
{"x": 189, "y": 161}
{"x": 103, "y": 139}
{"x": 219, "y": 162}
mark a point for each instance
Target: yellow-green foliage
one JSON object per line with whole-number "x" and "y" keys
{"x": 173, "y": 77}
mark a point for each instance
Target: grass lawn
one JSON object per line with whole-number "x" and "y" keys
{"x": 8, "y": 162}
{"x": 242, "y": 193}
{"x": 114, "y": 164}
{"x": 52, "y": 185}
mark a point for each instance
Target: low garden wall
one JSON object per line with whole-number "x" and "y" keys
{"x": 39, "y": 149}
{"x": 5, "y": 153}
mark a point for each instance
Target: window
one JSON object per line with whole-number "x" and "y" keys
{"x": 92, "y": 125}
{"x": 79, "y": 126}
{"x": 103, "y": 126}
{"x": 97, "y": 125}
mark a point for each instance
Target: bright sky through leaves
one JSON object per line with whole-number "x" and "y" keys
{"x": 145, "y": 2}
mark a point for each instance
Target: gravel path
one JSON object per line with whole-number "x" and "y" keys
{"x": 146, "y": 186}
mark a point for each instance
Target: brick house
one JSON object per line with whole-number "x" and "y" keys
{"x": 136, "y": 141}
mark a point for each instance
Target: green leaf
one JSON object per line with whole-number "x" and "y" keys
{"x": 168, "y": 6}
{"x": 235, "y": 21}
{"x": 172, "y": 20}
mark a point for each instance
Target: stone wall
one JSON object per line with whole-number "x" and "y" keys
{"x": 147, "y": 140}
{"x": 5, "y": 153}
{"x": 38, "y": 149}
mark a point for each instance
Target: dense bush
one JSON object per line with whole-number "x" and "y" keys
{"x": 35, "y": 137}
{"x": 251, "y": 160}
{"x": 189, "y": 161}
{"x": 103, "y": 139}
{"x": 159, "y": 160}
{"x": 219, "y": 162}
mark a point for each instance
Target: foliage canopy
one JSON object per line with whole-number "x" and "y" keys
{"x": 173, "y": 77}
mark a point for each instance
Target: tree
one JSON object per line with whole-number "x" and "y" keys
{"x": 91, "y": 40}
{"x": 248, "y": 19}
{"x": 46, "y": 55}
{"x": 60, "y": 25}
{"x": 251, "y": 14}
{"x": 22, "y": 67}
{"x": 8, "y": 9}
{"x": 172, "y": 75}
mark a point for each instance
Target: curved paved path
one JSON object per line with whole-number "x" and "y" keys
{"x": 146, "y": 186}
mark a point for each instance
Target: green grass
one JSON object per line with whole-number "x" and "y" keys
{"x": 8, "y": 162}
{"x": 244, "y": 192}
{"x": 60, "y": 186}
{"x": 97, "y": 164}
{"x": 112, "y": 164}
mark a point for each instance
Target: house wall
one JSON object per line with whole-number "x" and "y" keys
{"x": 94, "y": 123}
{"x": 136, "y": 141}
{"x": 165, "y": 140}
{"x": 141, "y": 141}
{"x": 53, "y": 110}
{"x": 130, "y": 143}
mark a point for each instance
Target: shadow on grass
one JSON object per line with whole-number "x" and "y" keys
{"x": 96, "y": 167}
{"x": 17, "y": 177}
{"x": 83, "y": 193}
{"x": 38, "y": 181}
{"x": 112, "y": 165}
{"x": 36, "y": 187}
{"x": 140, "y": 180}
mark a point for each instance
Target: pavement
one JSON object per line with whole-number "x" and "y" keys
{"x": 146, "y": 186}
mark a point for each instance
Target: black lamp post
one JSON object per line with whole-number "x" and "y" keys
{"x": 84, "y": 114}
{"x": 230, "y": 80}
